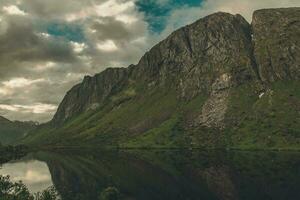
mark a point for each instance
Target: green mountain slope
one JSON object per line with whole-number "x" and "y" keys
{"x": 11, "y": 132}
{"x": 217, "y": 83}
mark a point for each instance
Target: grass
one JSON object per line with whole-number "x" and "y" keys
{"x": 273, "y": 120}
{"x": 158, "y": 119}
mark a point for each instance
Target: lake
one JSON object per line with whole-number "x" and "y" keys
{"x": 162, "y": 174}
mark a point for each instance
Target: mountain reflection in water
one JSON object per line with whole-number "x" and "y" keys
{"x": 172, "y": 174}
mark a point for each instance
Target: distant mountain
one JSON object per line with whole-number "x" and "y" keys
{"x": 11, "y": 132}
{"x": 217, "y": 83}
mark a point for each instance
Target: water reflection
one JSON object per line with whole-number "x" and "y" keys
{"x": 35, "y": 174}
{"x": 155, "y": 175}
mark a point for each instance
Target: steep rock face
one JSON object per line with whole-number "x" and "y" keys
{"x": 201, "y": 58}
{"x": 277, "y": 43}
{"x": 191, "y": 60}
{"x": 91, "y": 93}
{"x": 195, "y": 56}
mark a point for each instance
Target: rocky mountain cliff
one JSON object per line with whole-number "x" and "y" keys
{"x": 191, "y": 60}
{"x": 276, "y": 40}
{"x": 11, "y": 132}
{"x": 217, "y": 82}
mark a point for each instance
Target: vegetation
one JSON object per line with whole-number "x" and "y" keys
{"x": 110, "y": 193}
{"x": 158, "y": 119}
{"x": 270, "y": 122}
{"x": 8, "y": 153}
{"x": 11, "y": 132}
{"x": 18, "y": 191}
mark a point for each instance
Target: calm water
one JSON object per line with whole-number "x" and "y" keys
{"x": 162, "y": 174}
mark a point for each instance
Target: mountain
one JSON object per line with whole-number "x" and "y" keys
{"x": 11, "y": 132}
{"x": 217, "y": 83}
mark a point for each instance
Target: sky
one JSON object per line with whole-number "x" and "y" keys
{"x": 47, "y": 46}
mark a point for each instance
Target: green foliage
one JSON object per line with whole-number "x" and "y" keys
{"x": 18, "y": 191}
{"x": 269, "y": 122}
{"x": 48, "y": 194}
{"x": 110, "y": 193}
{"x": 159, "y": 119}
{"x": 12, "y": 191}
{"x": 12, "y": 132}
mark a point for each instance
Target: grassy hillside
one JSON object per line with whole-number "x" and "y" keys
{"x": 269, "y": 122}
{"x": 252, "y": 122}
{"x": 11, "y": 132}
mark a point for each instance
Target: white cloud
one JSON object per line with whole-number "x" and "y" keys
{"x": 113, "y": 8}
{"x": 107, "y": 46}
{"x": 78, "y": 47}
{"x": 245, "y": 7}
{"x": 20, "y": 82}
{"x": 128, "y": 19}
{"x": 121, "y": 10}
{"x": 44, "y": 35}
{"x": 13, "y": 10}
{"x": 4, "y": 91}
{"x": 8, "y": 107}
{"x": 187, "y": 15}
{"x": 43, "y": 67}
{"x": 37, "y": 108}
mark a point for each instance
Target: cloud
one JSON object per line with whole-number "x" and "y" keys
{"x": 13, "y": 10}
{"x": 20, "y": 82}
{"x": 35, "y": 109}
{"x": 46, "y": 48}
{"x": 107, "y": 45}
{"x": 188, "y": 14}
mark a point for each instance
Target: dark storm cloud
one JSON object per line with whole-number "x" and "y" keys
{"x": 21, "y": 43}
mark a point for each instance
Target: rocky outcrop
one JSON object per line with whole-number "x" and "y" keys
{"x": 276, "y": 36}
{"x": 91, "y": 93}
{"x": 215, "y": 107}
{"x": 193, "y": 57}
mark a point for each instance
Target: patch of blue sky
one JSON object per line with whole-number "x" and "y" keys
{"x": 71, "y": 32}
{"x": 157, "y": 11}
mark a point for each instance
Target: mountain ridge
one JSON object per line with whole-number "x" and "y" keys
{"x": 13, "y": 131}
{"x": 150, "y": 62}
{"x": 202, "y": 86}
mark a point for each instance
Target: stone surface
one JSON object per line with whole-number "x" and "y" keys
{"x": 214, "y": 109}
{"x": 276, "y": 36}
{"x": 193, "y": 57}
{"x": 91, "y": 93}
